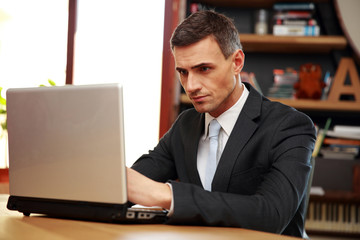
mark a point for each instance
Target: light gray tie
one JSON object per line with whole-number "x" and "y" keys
{"x": 214, "y": 129}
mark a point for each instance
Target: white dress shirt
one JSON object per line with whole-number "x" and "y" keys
{"x": 227, "y": 121}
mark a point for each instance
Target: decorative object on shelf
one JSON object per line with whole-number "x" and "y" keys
{"x": 261, "y": 22}
{"x": 310, "y": 84}
{"x": 339, "y": 88}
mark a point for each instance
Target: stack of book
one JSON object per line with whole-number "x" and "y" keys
{"x": 343, "y": 142}
{"x": 283, "y": 85}
{"x": 250, "y": 78}
{"x": 295, "y": 19}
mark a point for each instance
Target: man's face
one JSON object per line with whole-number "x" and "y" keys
{"x": 210, "y": 80}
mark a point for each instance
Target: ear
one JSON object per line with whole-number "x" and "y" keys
{"x": 238, "y": 60}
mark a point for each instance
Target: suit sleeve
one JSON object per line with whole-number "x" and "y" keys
{"x": 278, "y": 196}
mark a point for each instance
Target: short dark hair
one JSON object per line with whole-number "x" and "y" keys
{"x": 207, "y": 23}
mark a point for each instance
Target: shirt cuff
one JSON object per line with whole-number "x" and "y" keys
{"x": 171, "y": 210}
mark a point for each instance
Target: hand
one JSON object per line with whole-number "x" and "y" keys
{"x": 146, "y": 192}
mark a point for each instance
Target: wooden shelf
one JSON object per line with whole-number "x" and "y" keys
{"x": 304, "y": 104}
{"x": 290, "y": 44}
{"x": 320, "y": 105}
{"x": 252, "y": 3}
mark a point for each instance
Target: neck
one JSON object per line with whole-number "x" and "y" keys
{"x": 232, "y": 98}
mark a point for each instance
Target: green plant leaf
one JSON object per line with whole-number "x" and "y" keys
{"x": 2, "y": 100}
{"x": 51, "y": 82}
{"x": 4, "y": 126}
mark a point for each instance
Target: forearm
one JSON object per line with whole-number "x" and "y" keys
{"x": 270, "y": 209}
{"x": 147, "y": 192}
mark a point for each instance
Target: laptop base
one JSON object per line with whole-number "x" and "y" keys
{"x": 102, "y": 212}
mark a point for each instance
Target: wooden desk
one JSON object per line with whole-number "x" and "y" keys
{"x": 14, "y": 225}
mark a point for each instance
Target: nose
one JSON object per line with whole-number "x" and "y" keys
{"x": 193, "y": 84}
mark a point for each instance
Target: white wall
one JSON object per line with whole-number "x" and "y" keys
{"x": 121, "y": 41}
{"x": 33, "y": 41}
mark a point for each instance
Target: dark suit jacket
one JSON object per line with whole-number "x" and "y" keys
{"x": 261, "y": 179}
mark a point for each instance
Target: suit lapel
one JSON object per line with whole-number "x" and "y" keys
{"x": 191, "y": 140}
{"x": 244, "y": 128}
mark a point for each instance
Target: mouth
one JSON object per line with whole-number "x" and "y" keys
{"x": 198, "y": 99}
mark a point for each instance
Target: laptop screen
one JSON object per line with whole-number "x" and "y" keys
{"x": 67, "y": 142}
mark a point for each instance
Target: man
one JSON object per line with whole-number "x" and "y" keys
{"x": 264, "y": 148}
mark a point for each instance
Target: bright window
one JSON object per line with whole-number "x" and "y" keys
{"x": 116, "y": 41}
{"x": 33, "y": 43}
{"x": 122, "y": 41}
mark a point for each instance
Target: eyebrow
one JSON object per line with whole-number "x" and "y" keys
{"x": 200, "y": 65}
{"x": 193, "y": 67}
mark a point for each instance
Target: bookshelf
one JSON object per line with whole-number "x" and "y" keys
{"x": 275, "y": 44}
{"x": 263, "y": 53}
{"x": 292, "y": 47}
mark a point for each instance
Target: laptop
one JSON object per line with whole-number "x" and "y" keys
{"x": 67, "y": 154}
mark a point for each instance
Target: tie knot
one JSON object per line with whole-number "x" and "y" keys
{"x": 214, "y": 128}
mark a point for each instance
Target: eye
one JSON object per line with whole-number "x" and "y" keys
{"x": 182, "y": 72}
{"x": 204, "y": 69}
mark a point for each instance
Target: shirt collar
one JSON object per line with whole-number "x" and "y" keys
{"x": 228, "y": 119}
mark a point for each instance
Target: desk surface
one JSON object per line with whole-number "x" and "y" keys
{"x": 14, "y": 225}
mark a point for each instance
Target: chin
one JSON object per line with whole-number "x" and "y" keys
{"x": 199, "y": 108}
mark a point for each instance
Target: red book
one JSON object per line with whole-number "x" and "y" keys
{"x": 341, "y": 141}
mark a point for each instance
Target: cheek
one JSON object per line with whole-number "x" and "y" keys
{"x": 227, "y": 83}
{"x": 182, "y": 82}
{"x": 227, "y": 76}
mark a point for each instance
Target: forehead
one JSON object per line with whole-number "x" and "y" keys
{"x": 204, "y": 51}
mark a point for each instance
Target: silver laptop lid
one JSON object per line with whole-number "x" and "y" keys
{"x": 67, "y": 143}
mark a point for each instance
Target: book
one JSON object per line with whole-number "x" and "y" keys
{"x": 340, "y": 152}
{"x": 283, "y": 84}
{"x": 347, "y": 129}
{"x": 341, "y": 141}
{"x": 285, "y": 77}
{"x": 295, "y": 19}
{"x": 296, "y": 22}
{"x": 294, "y": 6}
{"x": 305, "y": 15}
{"x": 337, "y": 144}
{"x": 348, "y": 132}
{"x": 294, "y": 30}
